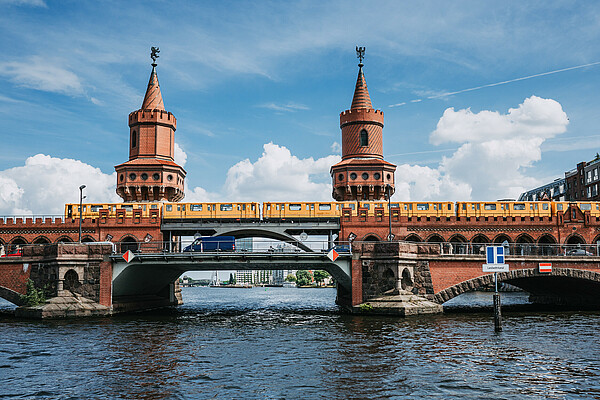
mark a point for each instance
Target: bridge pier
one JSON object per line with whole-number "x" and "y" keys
{"x": 387, "y": 278}
{"x": 75, "y": 278}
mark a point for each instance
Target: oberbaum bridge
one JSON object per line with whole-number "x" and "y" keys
{"x": 397, "y": 264}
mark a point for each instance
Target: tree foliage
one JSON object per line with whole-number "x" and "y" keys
{"x": 290, "y": 278}
{"x": 320, "y": 276}
{"x": 34, "y": 296}
{"x": 304, "y": 278}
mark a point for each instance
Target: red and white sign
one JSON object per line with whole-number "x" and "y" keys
{"x": 545, "y": 267}
{"x": 333, "y": 255}
{"x": 128, "y": 256}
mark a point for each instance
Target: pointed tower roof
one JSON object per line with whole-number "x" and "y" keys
{"x": 361, "y": 97}
{"x": 153, "y": 99}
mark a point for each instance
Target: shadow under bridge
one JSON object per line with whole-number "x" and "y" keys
{"x": 148, "y": 274}
{"x": 282, "y": 231}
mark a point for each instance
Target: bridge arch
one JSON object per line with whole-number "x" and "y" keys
{"x": 11, "y": 296}
{"x": 459, "y": 244}
{"x": 435, "y": 238}
{"x": 478, "y": 243}
{"x": 524, "y": 244}
{"x": 127, "y": 243}
{"x": 64, "y": 239}
{"x": 547, "y": 245}
{"x": 561, "y": 282}
{"x": 17, "y": 241}
{"x": 263, "y": 233}
{"x": 371, "y": 238}
{"x": 41, "y": 240}
{"x": 575, "y": 238}
{"x": 87, "y": 239}
{"x": 501, "y": 238}
{"x": 413, "y": 237}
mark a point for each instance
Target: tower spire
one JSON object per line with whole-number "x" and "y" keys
{"x": 153, "y": 99}
{"x": 361, "y": 97}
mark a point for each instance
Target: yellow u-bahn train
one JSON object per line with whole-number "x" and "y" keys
{"x": 292, "y": 211}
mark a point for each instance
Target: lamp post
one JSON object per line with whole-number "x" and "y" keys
{"x": 81, "y": 197}
{"x": 389, "y": 196}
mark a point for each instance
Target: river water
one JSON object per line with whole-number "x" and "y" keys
{"x": 276, "y": 343}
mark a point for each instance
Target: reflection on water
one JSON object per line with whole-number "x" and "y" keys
{"x": 292, "y": 343}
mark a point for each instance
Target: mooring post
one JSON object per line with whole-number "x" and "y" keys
{"x": 497, "y": 311}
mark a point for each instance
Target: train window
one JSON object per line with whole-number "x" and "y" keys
{"x": 440, "y": 206}
{"x": 449, "y": 207}
{"x": 545, "y": 206}
{"x": 253, "y": 208}
{"x": 243, "y": 207}
{"x": 183, "y": 207}
{"x": 195, "y": 207}
{"x": 226, "y": 207}
{"x": 395, "y": 205}
{"x": 435, "y": 206}
{"x": 410, "y": 206}
{"x": 169, "y": 207}
{"x": 585, "y": 206}
{"x": 268, "y": 207}
{"x": 95, "y": 208}
{"x": 366, "y": 206}
{"x": 144, "y": 207}
{"x": 478, "y": 205}
{"x": 489, "y": 207}
{"x": 209, "y": 207}
{"x": 324, "y": 207}
{"x": 519, "y": 206}
{"x": 422, "y": 207}
{"x": 295, "y": 207}
{"x": 559, "y": 206}
{"x": 464, "y": 207}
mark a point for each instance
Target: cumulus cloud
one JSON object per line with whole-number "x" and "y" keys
{"x": 44, "y": 184}
{"x": 280, "y": 176}
{"x": 180, "y": 155}
{"x": 495, "y": 150}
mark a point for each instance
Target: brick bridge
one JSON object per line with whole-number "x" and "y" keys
{"x": 84, "y": 279}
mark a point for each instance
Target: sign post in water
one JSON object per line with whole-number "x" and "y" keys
{"x": 495, "y": 263}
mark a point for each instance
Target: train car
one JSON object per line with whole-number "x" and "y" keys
{"x": 411, "y": 208}
{"x": 296, "y": 211}
{"x": 92, "y": 210}
{"x": 592, "y": 206}
{"x": 503, "y": 209}
{"x": 203, "y": 211}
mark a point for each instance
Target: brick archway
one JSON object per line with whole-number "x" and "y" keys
{"x": 413, "y": 238}
{"x": 512, "y": 276}
{"x": 41, "y": 240}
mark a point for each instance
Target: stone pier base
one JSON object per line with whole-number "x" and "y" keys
{"x": 65, "y": 306}
{"x": 399, "y": 304}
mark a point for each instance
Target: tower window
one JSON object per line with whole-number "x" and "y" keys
{"x": 133, "y": 139}
{"x": 364, "y": 138}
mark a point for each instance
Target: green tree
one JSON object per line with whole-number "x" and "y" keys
{"x": 290, "y": 278}
{"x": 320, "y": 276}
{"x": 304, "y": 278}
{"x": 34, "y": 296}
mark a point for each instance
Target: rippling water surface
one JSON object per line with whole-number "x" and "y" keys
{"x": 280, "y": 343}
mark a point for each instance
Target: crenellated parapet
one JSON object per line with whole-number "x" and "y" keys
{"x": 153, "y": 117}
{"x": 361, "y": 115}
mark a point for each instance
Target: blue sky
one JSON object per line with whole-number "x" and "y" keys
{"x": 257, "y": 88}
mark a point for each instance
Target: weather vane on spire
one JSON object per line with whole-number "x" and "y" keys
{"x": 360, "y": 53}
{"x": 154, "y": 55}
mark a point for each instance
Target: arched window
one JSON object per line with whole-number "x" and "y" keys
{"x": 133, "y": 139}
{"x": 364, "y": 138}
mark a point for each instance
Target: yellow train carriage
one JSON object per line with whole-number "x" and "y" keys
{"x": 294, "y": 211}
{"x": 411, "y": 208}
{"x": 592, "y": 206}
{"x": 503, "y": 209}
{"x": 222, "y": 211}
{"x": 92, "y": 210}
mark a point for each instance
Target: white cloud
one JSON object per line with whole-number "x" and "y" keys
{"x": 535, "y": 117}
{"x": 41, "y": 74}
{"x": 180, "y": 156}
{"x": 336, "y": 148}
{"x": 33, "y": 3}
{"x": 44, "y": 184}
{"x": 495, "y": 151}
{"x": 280, "y": 176}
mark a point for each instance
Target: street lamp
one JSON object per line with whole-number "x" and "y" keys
{"x": 388, "y": 188}
{"x": 81, "y": 197}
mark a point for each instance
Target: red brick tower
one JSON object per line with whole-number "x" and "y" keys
{"x": 362, "y": 174}
{"x": 151, "y": 173}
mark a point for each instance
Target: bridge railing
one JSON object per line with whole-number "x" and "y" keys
{"x": 521, "y": 249}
